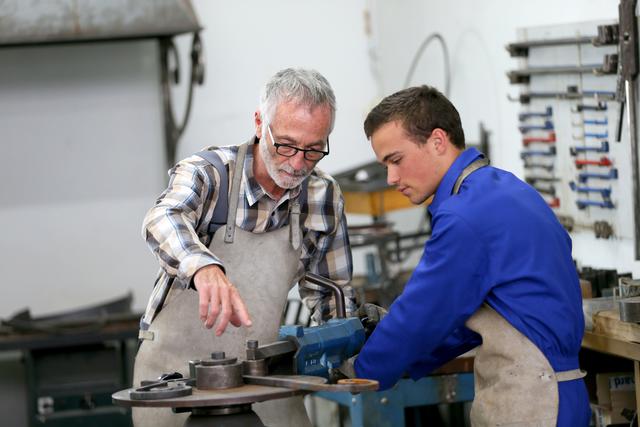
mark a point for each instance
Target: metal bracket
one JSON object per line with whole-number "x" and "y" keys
{"x": 172, "y": 128}
{"x": 628, "y": 73}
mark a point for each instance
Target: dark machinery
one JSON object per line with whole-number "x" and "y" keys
{"x": 220, "y": 390}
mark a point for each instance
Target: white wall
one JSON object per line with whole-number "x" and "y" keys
{"x": 476, "y": 33}
{"x": 82, "y": 142}
{"x": 81, "y": 125}
{"x": 81, "y": 138}
{"x": 246, "y": 42}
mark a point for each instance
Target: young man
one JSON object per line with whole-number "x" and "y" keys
{"x": 240, "y": 225}
{"x": 496, "y": 273}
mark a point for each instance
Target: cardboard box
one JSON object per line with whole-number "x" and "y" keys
{"x": 622, "y": 381}
{"x": 615, "y": 391}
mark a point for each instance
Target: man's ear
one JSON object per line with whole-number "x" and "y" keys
{"x": 440, "y": 140}
{"x": 257, "y": 119}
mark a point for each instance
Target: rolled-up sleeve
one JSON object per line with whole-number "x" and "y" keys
{"x": 169, "y": 228}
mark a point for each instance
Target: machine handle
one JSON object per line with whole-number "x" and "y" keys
{"x": 338, "y": 294}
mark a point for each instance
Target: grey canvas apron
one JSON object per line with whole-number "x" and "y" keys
{"x": 515, "y": 385}
{"x": 262, "y": 267}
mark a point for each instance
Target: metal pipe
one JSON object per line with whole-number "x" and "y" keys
{"x": 338, "y": 294}
{"x": 630, "y": 89}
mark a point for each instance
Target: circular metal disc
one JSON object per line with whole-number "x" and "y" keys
{"x": 199, "y": 398}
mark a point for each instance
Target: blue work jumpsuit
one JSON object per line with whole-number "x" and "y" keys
{"x": 495, "y": 242}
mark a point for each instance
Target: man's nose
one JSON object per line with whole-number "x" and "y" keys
{"x": 298, "y": 161}
{"x": 392, "y": 177}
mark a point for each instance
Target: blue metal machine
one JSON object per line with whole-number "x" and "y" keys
{"x": 320, "y": 349}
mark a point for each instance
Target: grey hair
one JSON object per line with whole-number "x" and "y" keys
{"x": 305, "y": 86}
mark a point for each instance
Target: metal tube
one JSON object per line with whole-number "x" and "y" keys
{"x": 337, "y": 291}
{"x": 631, "y": 89}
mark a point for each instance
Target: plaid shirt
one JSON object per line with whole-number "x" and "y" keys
{"x": 176, "y": 229}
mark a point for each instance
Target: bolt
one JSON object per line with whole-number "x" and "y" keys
{"x": 384, "y": 401}
{"x": 353, "y": 400}
{"x": 217, "y": 355}
{"x": 252, "y": 344}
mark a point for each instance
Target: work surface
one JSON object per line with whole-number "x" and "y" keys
{"x": 113, "y": 327}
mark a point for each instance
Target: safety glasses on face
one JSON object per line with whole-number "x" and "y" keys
{"x": 287, "y": 150}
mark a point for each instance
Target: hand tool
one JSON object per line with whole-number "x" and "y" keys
{"x": 550, "y": 190}
{"x": 604, "y": 192}
{"x": 602, "y": 229}
{"x": 548, "y": 168}
{"x": 554, "y": 203}
{"x": 572, "y": 93}
{"x": 530, "y": 153}
{"x": 600, "y": 106}
{"x": 548, "y": 112}
{"x": 533, "y": 179}
{"x": 606, "y": 204}
{"x": 549, "y": 139}
{"x": 520, "y": 49}
{"x": 607, "y": 34}
{"x": 604, "y": 161}
{"x": 591, "y": 135}
{"x": 523, "y": 75}
{"x": 548, "y": 125}
{"x": 604, "y": 121}
{"x": 603, "y": 148}
{"x": 585, "y": 176}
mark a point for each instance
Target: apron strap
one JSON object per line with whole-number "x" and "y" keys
{"x": 219, "y": 217}
{"x": 574, "y": 374}
{"x": 235, "y": 191}
{"x": 474, "y": 166}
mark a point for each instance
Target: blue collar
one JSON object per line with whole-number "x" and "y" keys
{"x": 448, "y": 181}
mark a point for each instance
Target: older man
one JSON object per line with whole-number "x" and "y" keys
{"x": 236, "y": 227}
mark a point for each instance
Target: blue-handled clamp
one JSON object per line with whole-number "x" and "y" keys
{"x": 603, "y": 148}
{"x": 585, "y": 176}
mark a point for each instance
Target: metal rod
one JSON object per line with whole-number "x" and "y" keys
{"x": 522, "y": 48}
{"x": 337, "y": 291}
{"x": 631, "y": 89}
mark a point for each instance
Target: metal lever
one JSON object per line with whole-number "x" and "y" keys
{"x": 550, "y": 152}
{"x": 605, "y": 192}
{"x": 550, "y": 139}
{"x": 338, "y": 294}
{"x": 604, "y": 148}
{"x": 604, "y": 161}
{"x": 547, "y": 113}
{"x": 606, "y": 204}
{"x": 584, "y": 176}
{"x": 548, "y": 125}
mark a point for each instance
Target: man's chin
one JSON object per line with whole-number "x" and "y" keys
{"x": 288, "y": 184}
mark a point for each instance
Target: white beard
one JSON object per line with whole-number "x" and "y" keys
{"x": 275, "y": 171}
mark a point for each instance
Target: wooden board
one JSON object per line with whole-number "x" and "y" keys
{"x": 608, "y": 323}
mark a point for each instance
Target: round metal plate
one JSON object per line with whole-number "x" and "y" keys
{"x": 200, "y": 398}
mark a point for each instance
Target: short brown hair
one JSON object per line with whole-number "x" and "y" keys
{"x": 421, "y": 109}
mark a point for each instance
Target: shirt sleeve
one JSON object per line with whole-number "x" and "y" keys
{"x": 169, "y": 227}
{"x": 331, "y": 259}
{"x": 446, "y": 288}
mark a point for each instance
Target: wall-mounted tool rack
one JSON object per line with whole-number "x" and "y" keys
{"x": 578, "y": 140}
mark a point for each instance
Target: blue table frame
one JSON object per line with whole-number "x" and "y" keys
{"x": 386, "y": 408}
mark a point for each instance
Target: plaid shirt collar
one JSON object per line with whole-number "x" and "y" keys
{"x": 254, "y": 190}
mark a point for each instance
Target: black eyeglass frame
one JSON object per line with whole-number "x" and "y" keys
{"x": 296, "y": 149}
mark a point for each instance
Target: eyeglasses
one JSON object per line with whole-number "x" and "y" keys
{"x": 287, "y": 150}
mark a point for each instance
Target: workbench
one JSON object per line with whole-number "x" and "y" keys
{"x": 451, "y": 383}
{"x": 71, "y": 369}
{"x": 614, "y": 337}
